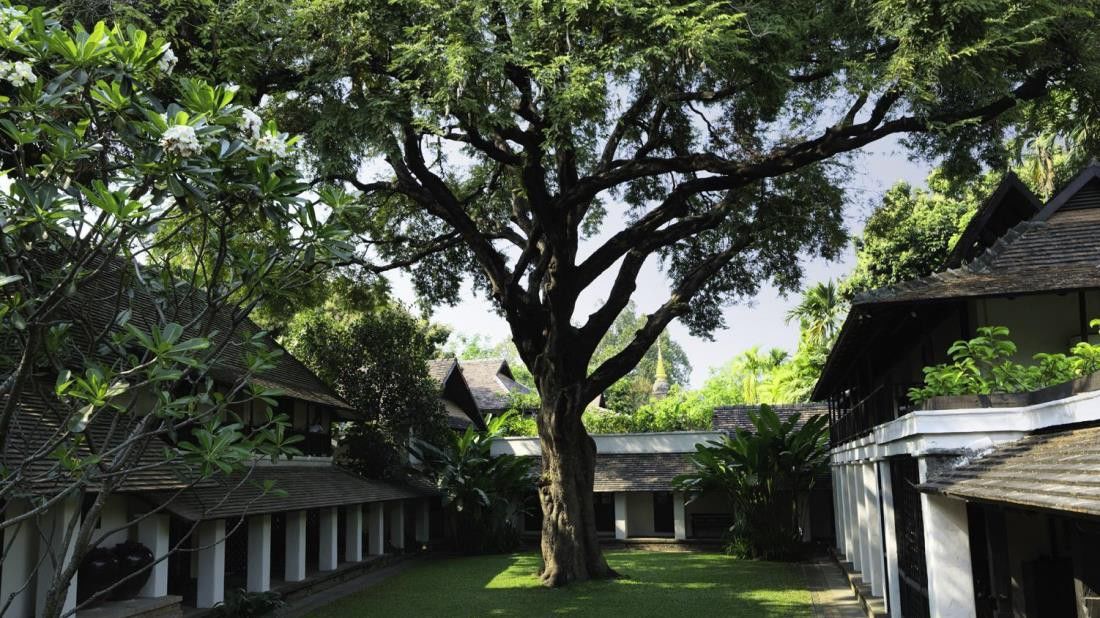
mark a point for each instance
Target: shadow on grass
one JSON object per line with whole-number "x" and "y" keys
{"x": 655, "y": 584}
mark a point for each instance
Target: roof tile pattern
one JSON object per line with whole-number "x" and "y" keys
{"x": 1058, "y": 471}
{"x": 730, "y": 419}
{"x": 640, "y": 471}
{"x": 440, "y": 368}
{"x": 491, "y": 383}
{"x": 634, "y": 471}
{"x": 1060, "y": 253}
{"x": 39, "y": 423}
{"x": 306, "y": 487}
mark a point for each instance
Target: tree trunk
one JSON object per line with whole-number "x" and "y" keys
{"x": 570, "y": 546}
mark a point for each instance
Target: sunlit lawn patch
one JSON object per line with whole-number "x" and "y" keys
{"x": 655, "y": 584}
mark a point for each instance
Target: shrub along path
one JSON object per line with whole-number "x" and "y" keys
{"x": 655, "y": 584}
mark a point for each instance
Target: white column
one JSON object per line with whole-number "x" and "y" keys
{"x": 211, "y": 571}
{"x": 838, "y": 524}
{"x": 328, "y": 550}
{"x": 54, "y": 553}
{"x": 679, "y": 517}
{"x": 621, "y": 528}
{"x": 842, "y": 511}
{"x": 424, "y": 523}
{"x": 295, "y": 570}
{"x": 353, "y": 533}
{"x": 19, "y": 559}
{"x": 376, "y": 528}
{"x": 153, "y": 533}
{"x": 259, "y": 553}
{"x": 397, "y": 525}
{"x": 866, "y": 518}
{"x": 947, "y": 554}
{"x": 890, "y": 538}
{"x": 855, "y": 556}
{"x": 874, "y": 572}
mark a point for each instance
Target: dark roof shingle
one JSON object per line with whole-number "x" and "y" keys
{"x": 1057, "y": 471}
{"x": 306, "y": 487}
{"x": 491, "y": 383}
{"x": 731, "y": 418}
{"x": 634, "y": 471}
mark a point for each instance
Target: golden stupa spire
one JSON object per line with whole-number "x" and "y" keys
{"x": 660, "y": 377}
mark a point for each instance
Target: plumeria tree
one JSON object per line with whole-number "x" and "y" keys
{"x": 142, "y": 218}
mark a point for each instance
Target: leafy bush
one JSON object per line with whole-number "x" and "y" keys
{"x": 680, "y": 410}
{"x": 766, "y": 473}
{"x": 244, "y": 604}
{"x": 482, "y": 494}
{"x": 982, "y": 365}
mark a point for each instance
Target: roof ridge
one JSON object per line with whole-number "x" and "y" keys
{"x": 981, "y": 264}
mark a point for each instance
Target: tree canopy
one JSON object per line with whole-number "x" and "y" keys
{"x": 377, "y": 359}
{"x": 492, "y": 140}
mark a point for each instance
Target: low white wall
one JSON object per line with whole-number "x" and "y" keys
{"x": 931, "y": 431}
{"x": 618, "y": 443}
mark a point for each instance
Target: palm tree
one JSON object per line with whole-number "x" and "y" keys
{"x": 766, "y": 473}
{"x": 818, "y": 314}
{"x": 756, "y": 367}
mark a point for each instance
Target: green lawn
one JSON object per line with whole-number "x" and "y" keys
{"x": 655, "y": 584}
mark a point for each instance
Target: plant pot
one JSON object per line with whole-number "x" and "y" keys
{"x": 132, "y": 557}
{"x": 97, "y": 572}
{"x": 966, "y": 402}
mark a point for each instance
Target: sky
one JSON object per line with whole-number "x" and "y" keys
{"x": 759, "y": 321}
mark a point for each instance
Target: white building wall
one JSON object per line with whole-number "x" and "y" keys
{"x": 17, "y": 591}
{"x": 714, "y": 503}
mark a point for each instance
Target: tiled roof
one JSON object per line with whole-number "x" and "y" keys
{"x": 95, "y": 305}
{"x": 640, "y": 471}
{"x": 94, "y": 308}
{"x": 440, "y": 368}
{"x": 306, "y": 486}
{"x": 455, "y": 389}
{"x": 1053, "y": 251}
{"x": 1058, "y": 471}
{"x": 634, "y": 471}
{"x": 40, "y": 422}
{"x": 1035, "y": 256}
{"x": 491, "y": 383}
{"x": 732, "y": 418}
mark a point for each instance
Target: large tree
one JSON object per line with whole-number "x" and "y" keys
{"x": 489, "y": 139}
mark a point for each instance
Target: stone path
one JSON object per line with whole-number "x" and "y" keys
{"x": 830, "y": 593}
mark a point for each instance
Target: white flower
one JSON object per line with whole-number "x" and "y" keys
{"x": 250, "y": 122}
{"x": 19, "y": 73}
{"x": 272, "y": 145}
{"x": 180, "y": 139}
{"x": 167, "y": 61}
{"x": 10, "y": 17}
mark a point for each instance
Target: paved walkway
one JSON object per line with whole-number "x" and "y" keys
{"x": 830, "y": 593}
